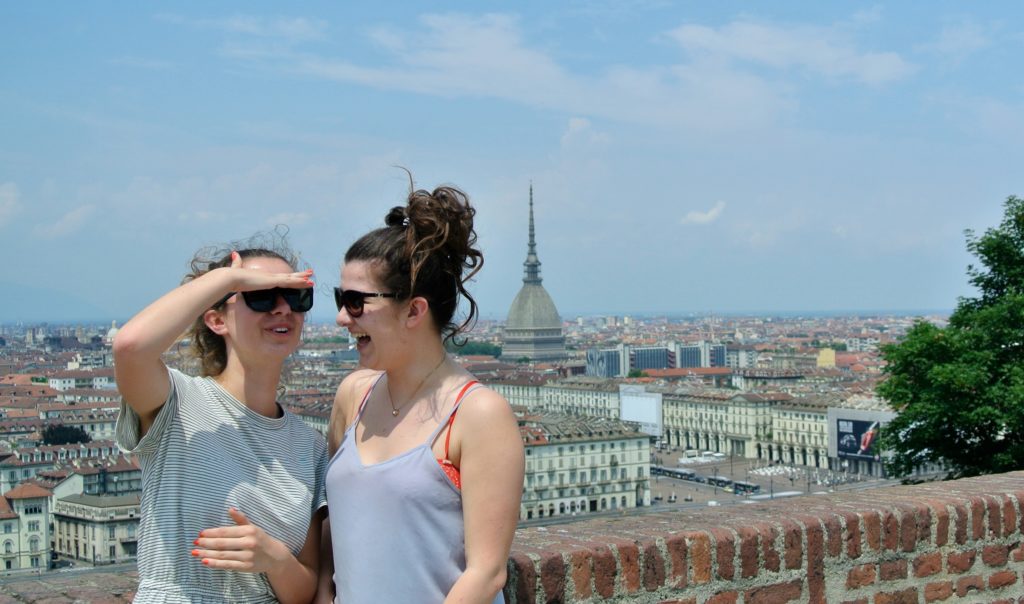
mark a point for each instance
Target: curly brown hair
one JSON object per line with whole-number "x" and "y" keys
{"x": 424, "y": 250}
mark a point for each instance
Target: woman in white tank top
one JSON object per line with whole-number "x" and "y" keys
{"x": 426, "y": 473}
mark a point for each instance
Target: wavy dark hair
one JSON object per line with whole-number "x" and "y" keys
{"x": 207, "y": 347}
{"x": 427, "y": 248}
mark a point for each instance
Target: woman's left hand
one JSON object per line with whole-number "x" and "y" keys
{"x": 244, "y": 547}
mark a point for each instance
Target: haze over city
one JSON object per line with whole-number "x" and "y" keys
{"x": 685, "y": 157}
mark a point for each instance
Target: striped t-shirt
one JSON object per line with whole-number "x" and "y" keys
{"x": 205, "y": 452}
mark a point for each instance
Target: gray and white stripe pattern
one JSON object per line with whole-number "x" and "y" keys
{"x": 207, "y": 452}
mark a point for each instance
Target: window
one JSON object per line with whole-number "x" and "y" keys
{"x": 7, "y": 527}
{"x": 33, "y": 525}
{"x": 34, "y": 508}
{"x": 8, "y": 547}
{"x": 110, "y": 531}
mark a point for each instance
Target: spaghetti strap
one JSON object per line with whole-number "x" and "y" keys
{"x": 366, "y": 397}
{"x": 468, "y": 387}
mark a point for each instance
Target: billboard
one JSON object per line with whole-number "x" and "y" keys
{"x": 857, "y": 439}
{"x": 638, "y": 405}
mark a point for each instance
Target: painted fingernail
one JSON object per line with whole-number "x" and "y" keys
{"x": 206, "y": 562}
{"x": 196, "y": 542}
{"x": 200, "y": 534}
{"x": 195, "y": 552}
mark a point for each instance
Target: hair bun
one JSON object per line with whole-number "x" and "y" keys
{"x": 397, "y": 217}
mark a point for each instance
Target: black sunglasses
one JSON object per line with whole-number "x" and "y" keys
{"x": 352, "y": 301}
{"x": 264, "y": 300}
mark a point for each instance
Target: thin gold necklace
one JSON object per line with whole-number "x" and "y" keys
{"x": 391, "y": 399}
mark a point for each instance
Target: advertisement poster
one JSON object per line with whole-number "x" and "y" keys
{"x": 857, "y": 439}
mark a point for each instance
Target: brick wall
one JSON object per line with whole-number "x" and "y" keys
{"x": 953, "y": 542}
{"x": 958, "y": 541}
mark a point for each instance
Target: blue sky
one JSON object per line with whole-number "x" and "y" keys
{"x": 722, "y": 157}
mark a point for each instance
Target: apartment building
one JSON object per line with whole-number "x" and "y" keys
{"x": 579, "y": 465}
{"x": 97, "y": 529}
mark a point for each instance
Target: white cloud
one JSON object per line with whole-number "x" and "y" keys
{"x": 9, "y": 202}
{"x": 487, "y": 56}
{"x": 711, "y": 215}
{"x": 66, "y": 224}
{"x": 817, "y": 49}
{"x": 957, "y": 41}
{"x": 581, "y": 131}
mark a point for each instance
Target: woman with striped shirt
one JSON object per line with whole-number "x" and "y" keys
{"x": 231, "y": 482}
{"x": 426, "y": 473}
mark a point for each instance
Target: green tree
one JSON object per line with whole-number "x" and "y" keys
{"x": 59, "y": 434}
{"x": 959, "y": 390}
{"x": 636, "y": 373}
{"x": 473, "y": 347}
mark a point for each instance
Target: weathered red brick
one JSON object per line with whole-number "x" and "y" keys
{"x": 861, "y": 576}
{"x": 1018, "y": 553}
{"x": 941, "y": 525}
{"x": 676, "y": 546}
{"x": 725, "y": 552}
{"x": 653, "y": 568}
{"x": 725, "y": 597}
{"x": 749, "y": 551}
{"x": 853, "y": 535}
{"x": 772, "y": 561}
{"x": 793, "y": 536}
{"x": 833, "y": 536}
{"x": 1001, "y": 579}
{"x": 935, "y": 592}
{"x": 526, "y": 578}
{"x": 582, "y": 574}
{"x": 686, "y": 601}
{"x": 815, "y": 560}
{"x": 962, "y": 519}
{"x": 995, "y": 555}
{"x": 906, "y": 596}
{"x": 774, "y": 594}
{"x": 890, "y": 570}
{"x": 873, "y": 530}
{"x": 961, "y": 562}
{"x": 700, "y": 553}
{"x": 927, "y": 565}
{"x": 1009, "y": 516}
{"x": 629, "y": 564}
{"x": 552, "y": 577}
{"x": 604, "y": 571}
{"x": 890, "y": 531}
{"x": 977, "y": 517}
{"x": 857, "y": 601}
{"x": 971, "y": 583}
{"x": 995, "y": 518}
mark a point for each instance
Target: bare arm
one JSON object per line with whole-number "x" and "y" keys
{"x": 247, "y": 548}
{"x": 490, "y": 457}
{"x": 141, "y": 375}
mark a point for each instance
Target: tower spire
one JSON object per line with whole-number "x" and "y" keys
{"x": 531, "y": 268}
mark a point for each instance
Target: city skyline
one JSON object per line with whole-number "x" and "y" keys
{"x": 685, "y": 158}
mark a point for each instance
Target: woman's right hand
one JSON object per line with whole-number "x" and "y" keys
{"x": 244, "y": 279}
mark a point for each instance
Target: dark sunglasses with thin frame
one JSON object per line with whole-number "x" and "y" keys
{"x": 353, "y": 301}
{"x": 265, "y": 300}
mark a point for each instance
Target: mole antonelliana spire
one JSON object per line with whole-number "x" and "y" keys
{"x": 533, "y": 329}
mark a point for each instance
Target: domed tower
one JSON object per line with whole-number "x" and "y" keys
{"x": 533, "y": 329}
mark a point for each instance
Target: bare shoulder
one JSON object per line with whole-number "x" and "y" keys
{"x": 483, "y": 408}
{"x": 346, "y": 401}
